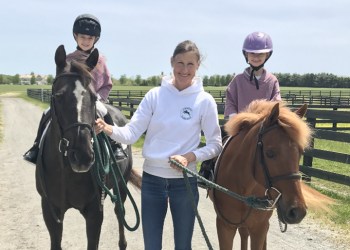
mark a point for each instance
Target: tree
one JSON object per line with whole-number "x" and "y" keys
{"x": 123, "y": 80}
{"x": 138, "y": 80}
{"x": 49, "y": 79}
{"x": 32, "y": 79}
{"x": 16, "y": 79}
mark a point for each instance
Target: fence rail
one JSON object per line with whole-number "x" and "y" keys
{"x": 332, "y": 134}
{"x": 128, "y": 101}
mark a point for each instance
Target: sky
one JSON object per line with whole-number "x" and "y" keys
{"x": 139, "y": 36}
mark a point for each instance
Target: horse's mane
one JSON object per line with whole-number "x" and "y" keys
{"x": 294, "y": 126}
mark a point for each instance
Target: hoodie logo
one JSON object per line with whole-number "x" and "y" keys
{"x": 186, "y": 113}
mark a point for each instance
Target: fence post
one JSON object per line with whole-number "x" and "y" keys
{"x": 307, "y": 160}
{"x": 131, "y": 110}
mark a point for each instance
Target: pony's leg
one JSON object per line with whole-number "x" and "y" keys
{"x": 93, "y": 219}
{"x": 258, "y": 236}
{"x": 120, "y": 214}
{"x": 244, "y": 233}
{"x": 225, "y": 234}
{"x": 55, "y": 229}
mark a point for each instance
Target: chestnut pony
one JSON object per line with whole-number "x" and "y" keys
{"x": 66, "y": 160}
{"x": 260, "y": 159}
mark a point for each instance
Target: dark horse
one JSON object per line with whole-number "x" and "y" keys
{"x": 260, "y": 159}
{"x": 63, "y": 172}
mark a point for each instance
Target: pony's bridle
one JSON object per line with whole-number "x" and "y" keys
{"x": 268, "y": 179}
{"x": 64, "y": 144}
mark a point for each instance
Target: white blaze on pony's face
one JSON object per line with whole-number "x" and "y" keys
{"x": 79, "y": 92}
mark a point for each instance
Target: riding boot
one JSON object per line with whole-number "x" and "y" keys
{"x": 32, "y": 154}
{"x": 207, "y": 171}
{"x": 116, "y": 146}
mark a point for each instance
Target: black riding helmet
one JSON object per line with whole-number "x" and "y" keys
{"x": 87, "y": 24}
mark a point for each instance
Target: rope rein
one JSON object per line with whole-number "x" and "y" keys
{"x": 252, "y": 201}
{"x": 102, "y": 167}
{"x": 200, "y": 222}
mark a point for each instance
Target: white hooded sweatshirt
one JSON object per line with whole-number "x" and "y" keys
{"x": 173, "y": 120}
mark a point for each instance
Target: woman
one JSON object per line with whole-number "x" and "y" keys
{"x": 173, "y": 115}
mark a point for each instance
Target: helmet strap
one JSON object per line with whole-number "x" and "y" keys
{"x": 86, "y": 51}
{"x": 252, "y": 75}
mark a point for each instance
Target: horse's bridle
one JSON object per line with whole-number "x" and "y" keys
{"x": 64, "y": 144}
{"x": 268, "y": 179}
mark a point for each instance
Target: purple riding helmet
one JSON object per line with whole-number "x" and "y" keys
{"x": 257, "y": 42}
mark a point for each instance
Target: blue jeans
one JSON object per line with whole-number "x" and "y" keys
{"x": 156, "y": 194}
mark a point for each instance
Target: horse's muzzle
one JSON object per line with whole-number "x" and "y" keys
{"x": 292, "y": 214}
{"x": 81, "y": 162}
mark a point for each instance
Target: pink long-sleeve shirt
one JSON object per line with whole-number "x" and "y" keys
{"x": 102, "y": 80}
{"x": 241, "y": 91}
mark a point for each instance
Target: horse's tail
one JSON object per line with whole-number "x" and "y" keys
{"x": 316, "y": 200}
{"x": 135, "y": 178}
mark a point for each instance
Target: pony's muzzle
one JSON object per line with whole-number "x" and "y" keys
{"x": 292, "y": 214}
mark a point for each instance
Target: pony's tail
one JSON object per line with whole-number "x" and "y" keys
{"x": 315, "y": 200}
{"x": 135, "y": 178}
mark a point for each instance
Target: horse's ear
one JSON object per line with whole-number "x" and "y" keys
{"x": 92, "y": 60}
{"x": 60, "y": 57}
{"x": 273, "y": 117}
{"x": 301, "y": 111}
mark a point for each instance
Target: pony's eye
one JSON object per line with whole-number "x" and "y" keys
{"x": 270, "y": 153}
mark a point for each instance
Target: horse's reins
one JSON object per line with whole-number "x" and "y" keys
{"x": 102, "y": 167}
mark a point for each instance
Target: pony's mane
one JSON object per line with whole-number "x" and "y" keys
{"x": 294, "y": 126}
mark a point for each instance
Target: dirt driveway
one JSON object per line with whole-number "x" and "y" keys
{"x": 22, "y": 225}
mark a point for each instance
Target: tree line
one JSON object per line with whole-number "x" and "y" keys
{"x": 319, "y": 80}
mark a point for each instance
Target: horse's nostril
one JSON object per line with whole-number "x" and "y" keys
{"x": 73, "y": 157}
{"x": 295, "y": 215}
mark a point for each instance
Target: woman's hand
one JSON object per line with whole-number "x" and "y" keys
{"x": 100, "y": 126}
{"x": 184, "y": 160}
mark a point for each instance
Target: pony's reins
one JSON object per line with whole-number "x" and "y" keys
{"x": 251, "y": 201}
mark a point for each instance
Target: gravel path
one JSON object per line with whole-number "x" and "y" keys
{"x": 22, "y": 225}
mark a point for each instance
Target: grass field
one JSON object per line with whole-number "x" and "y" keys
{"x": 341, "y": 193}
{"x": 23, "y": 88}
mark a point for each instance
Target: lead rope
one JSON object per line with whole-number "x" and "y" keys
{"x": 200, "y": 222}
{"x": 251, "y": 201}
{"x": 103, "y": 164}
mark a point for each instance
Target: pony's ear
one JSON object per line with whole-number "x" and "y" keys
{"x": 301, "y": 111}
{"x": 273, "y": 117}
{"x": 60, "y": 57}
{"x": 92, "y": 60}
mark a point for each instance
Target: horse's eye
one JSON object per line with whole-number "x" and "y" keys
{"x": 270, "y": 153}
{"x": 58, "y": 95}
